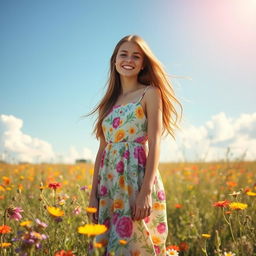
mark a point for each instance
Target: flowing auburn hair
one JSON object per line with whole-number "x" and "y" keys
{"x": 153, "y": 73}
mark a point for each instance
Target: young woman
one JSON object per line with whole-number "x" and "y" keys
{"x": 127, "y": 189}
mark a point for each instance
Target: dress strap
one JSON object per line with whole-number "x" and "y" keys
{"x": 143, "y": 93}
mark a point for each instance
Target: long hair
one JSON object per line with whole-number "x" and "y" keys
{"x": 154, "y": 74}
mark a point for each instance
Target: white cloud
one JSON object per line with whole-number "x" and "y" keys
{"x": 15, "y": 146}
{"x": 219, "y": 138}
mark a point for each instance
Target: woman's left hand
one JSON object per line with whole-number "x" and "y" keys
{"x": 142, "y": 207}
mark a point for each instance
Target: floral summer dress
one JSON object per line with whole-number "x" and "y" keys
{"x": 121, "y": 173}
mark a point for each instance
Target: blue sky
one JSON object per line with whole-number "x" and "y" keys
{"x": 54, "y": 60}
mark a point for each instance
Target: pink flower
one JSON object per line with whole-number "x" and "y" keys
{"x": 103, "y": 191}
{"x": 116, "y": 122}
{"x": 161, "y": 195}
{"x": 124, "y": 227}
{"x": 161, "y": 227}
{"x": 141, "y": 139}
{"x": 14, "y": 213}
{"x": 115, "y": 217}
{"x": 120, "y": 167}
{"x": 157, "y": 249}
{"x": 107, "y": 222}
{"x": 139, "y": 153}
{"x": 102, "y": 158}
{"x": 147, "y": 219}
{"x": 77, "y": 210}
{"x": 126, "y": 154}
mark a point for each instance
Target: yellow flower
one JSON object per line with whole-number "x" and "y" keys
{"x": 250, "y": 193}
{"x": 91, "y": 209}
{"x": 92, "y": 229}
{"x": 26, "y": 223}
{"x": 229, "y": 254}
{"x": 206, "y": 235}
{"x": 238, "y": 206}
{"x": 122, "y": 242}
{"x": 119, "y": 135}
{"x": 122, "y": 182}
{"x": 2, "y": 245}
{"x": 97, "y": 245}
{"x": 139, "y": 112}
{"x": 56, "y": 212}
{"x": 156, "y": 240}
{"x": 118, "y": 204}
{"x": 132, "y": 130}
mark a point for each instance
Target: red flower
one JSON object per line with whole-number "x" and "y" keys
{"x": 64, "y": 253}
{"x": 221, "y": 203}
{"x": 183, "y": 246}
{"x": 174, "y": 247}
{"x": 178, "y": 206}
{"x": 54, "y": 185}
{"x": 4, "y": 229}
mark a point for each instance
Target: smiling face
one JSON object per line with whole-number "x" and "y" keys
{"x": 129, "y": 59}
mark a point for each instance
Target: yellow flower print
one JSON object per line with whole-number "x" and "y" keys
{"x": 121, "y": 122}
{"x": 132, "y": 130}
{"x": 118, "y": 204}
{"x": 122, "y": 182}
{"x": 119, "y": 135}
{"x": 102, "y": 202}
{"x": 111, "y": 129}
{"x": 110, "y": 176}
{"x": 139, "y": 112}
{"x": 157, "y": 206}
{"x": 156, "y": 240}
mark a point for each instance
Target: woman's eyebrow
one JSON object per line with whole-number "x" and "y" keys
{"x": 133, "y": 52}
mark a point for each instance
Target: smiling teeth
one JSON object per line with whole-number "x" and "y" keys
{"x": 127, "y": 67}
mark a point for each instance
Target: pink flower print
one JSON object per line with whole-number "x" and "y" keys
{"x": 124, "y": 227}
{"x": 161, "y": 227}
{"x": 139, "y": 153}
{"x": 107, "y": 222}
{"x": 126, "y": 154}
{"x": 14, "y": 213}
{"x": 103, "y": 191}
{"x": 120, "y": 167}
{"x": 115, "y": 217}
{"x": 141, "y": 139}
{"x": 161, "y": 195}
{"x": 157, "y": 249}
{"x": 147, "y": 219}
{"x": 102, "y": 158}
{"x": 116, "y": 122}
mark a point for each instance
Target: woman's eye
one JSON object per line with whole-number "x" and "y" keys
{"x": 122, "y": 54}
{"x": 136, "y": 57}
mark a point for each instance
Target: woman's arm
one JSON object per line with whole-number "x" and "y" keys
{"x": 154, "y": 117}
{"x": 143, "y": 205}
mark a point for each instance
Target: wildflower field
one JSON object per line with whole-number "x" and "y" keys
{"x": 210, "y": 206}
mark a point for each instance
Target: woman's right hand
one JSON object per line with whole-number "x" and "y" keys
{"x": 93, "y": 202}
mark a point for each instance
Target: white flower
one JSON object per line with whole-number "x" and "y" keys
{"x": 172, "y": 252}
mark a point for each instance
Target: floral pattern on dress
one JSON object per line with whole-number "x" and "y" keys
{"x": 121, "y": 173}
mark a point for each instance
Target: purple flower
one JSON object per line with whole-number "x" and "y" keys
{"x": 124, "y": 227}
{"x": 116, "y": 122}
{"x": 14, "y": 213}
{"x": 120, "y": 167}
{"x": 107, "y": 222}
{"x": 161, "y": 195}
{"x": 84, "y": 188}
{"x": 140, "y": 154}
{"x": 103, "y": 190}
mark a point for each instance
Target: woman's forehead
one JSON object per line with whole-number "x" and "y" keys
{"x": 130, "y": 46}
